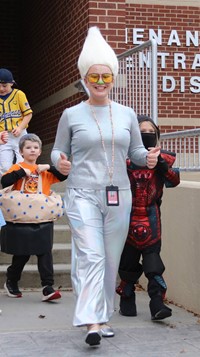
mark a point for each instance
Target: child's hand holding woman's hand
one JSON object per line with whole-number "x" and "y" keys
{"x": 42, "y": 167}
{"x": 28, "y": 172}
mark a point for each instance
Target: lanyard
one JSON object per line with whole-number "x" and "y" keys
{"x": 110, "y": 168}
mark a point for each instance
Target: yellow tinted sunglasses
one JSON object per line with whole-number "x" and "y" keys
{"x": 95, "y": 77}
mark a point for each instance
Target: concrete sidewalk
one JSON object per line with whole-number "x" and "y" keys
{"x": 31, "y": 328}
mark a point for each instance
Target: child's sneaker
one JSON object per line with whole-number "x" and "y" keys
{"x": 12, "y": 289}
{"x": 159, "y": 310}
{"x": 128, "y": 306}
{"x": 50, "y": 294}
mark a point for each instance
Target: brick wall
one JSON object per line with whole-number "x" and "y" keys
{"x": 51, "y": 44}
{"x": 10, "y": 40}
{"x": 110, "y": 17}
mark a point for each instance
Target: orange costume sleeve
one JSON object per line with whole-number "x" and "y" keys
{"x": 31, "y": 181}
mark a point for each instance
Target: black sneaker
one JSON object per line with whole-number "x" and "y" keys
{"x": 128, "y": 306}
{"x": 50, "y": 294}
{"x": 159, "y": 311}
{"x": 12, "y": 289}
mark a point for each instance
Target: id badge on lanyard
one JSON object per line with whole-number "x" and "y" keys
{"x": 112, "y": 195}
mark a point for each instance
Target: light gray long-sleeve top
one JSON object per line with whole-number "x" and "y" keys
{"x": 78, "y": 137}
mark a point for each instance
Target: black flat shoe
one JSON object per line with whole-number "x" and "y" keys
{"x": 93, "y": 338}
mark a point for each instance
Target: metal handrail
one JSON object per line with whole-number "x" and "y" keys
{"x": 181, "y": 133}
{"x": 186, "y": 145}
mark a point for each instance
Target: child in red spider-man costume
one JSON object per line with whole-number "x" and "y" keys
{"x": 144, "y": 236}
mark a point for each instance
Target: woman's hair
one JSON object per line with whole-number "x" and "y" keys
{"x": 30, "y": 137}
{"x": 96, "y": 51}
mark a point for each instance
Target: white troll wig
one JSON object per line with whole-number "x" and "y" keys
{"x": 96, "y": 51}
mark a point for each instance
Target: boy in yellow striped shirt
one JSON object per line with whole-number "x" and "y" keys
{"x": 15, "y": 115}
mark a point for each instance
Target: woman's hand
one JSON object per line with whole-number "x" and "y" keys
{"x": 64, "y": 165}
{"x": 152, "y": 157}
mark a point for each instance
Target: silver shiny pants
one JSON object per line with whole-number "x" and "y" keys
{"x": 98, "y": 236}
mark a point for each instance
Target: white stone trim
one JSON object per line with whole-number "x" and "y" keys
{"x": 194, "y": 3}
{"x": 179, "y": 121}
{"x": 55, "y": 98}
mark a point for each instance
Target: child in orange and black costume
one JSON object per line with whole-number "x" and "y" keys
{"x": 25, "y": 239}
{"x": 144, "y": 236}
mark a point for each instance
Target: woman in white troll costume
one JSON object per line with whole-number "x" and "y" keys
{"x": 99, "y": 134}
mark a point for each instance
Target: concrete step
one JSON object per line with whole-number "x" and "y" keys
{"x": 61, "y": 255}
{"x": 62, "y": 233}
{"x": 59, "y": 187}
{"x": 31, "y": 279}
{"x": 61, "y": 220}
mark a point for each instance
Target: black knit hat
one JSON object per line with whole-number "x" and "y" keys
{"x": 142, "y": 118}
